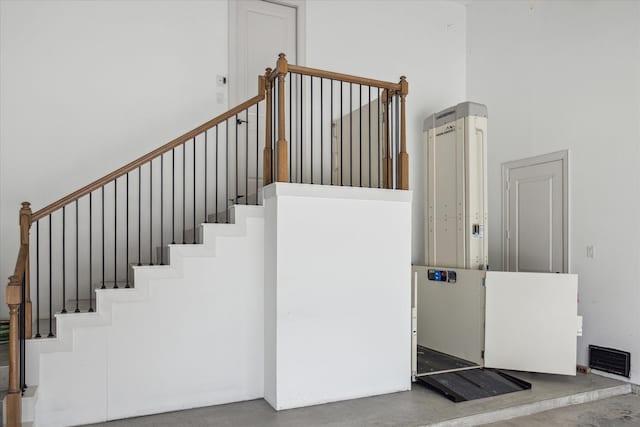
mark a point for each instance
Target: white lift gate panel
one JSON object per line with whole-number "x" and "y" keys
{"x": 531, "y": 322}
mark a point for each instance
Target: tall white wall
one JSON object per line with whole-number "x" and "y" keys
{"x": 424, "y": 40}
{"x": 566, "y": 75}
{"x": 89, "y": 86}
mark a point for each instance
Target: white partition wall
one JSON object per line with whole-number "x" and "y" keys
{"x": 337, "y": 293}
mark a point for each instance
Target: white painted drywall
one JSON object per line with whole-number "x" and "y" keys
{"x": 566, "y": 75}
{"x": 337, "y": 293}
{"x": 88, "y": 86}
{"x": 424, "y": 40}
{"x": 190, "y": 334}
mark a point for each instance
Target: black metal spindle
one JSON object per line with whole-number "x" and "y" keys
{"x": 216, "y": 176}
{"x": 257, "y": 151}
{"x": 290, "y": 131}
{"x": 50, "y": 279}
{"x": 246, "y": 159}
{"x": 64, "y": 252}
{"x": 311, "y": 127}
{"x": 102, "y": 218}
{"x": 115, "y": 233}
{"x": 127, "y": 234}
{"x": 378, "y": 124}
{"x": 206, "y": 160}
{"x": 226, "y": 172}
{"x": 194, "y": 190}
{"x": 321, "y": 133}
{"x": 90, "y": 256}
{"x": 22, "y": 326}
{"x": 301, "y": 134}
{"x": 173, "y": 196}
{"x": 360, "y": 151}
{"x": 369, "y": 110}
{"x": 151, "y": 212}
{"x": 139, "y": 216}
{"x": 184, "y": 193}
{"x": 331, "y": 133}
{"x": 351, "y": 134}
{"x": 341, "y": 132}
{"x": 38, "y": 279}
{"x": 236, "y": 160}
{"x": 162, "y": 209}
{"x": 77, "y": 263}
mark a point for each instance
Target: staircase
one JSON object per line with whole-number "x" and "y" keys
{"x": 98, "y": 328}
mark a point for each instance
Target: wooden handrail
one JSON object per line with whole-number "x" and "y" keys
{"x": 298, "y": 69}
{"x": 147, "y": 157}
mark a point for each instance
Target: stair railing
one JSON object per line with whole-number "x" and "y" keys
{"x": 341, "y": 130}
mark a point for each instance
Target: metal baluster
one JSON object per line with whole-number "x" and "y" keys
{"x": 369, "y": 108}
{"x": 127, "y": 236}
{"x": 331, "y": 134}
{"x": 258, "y": 149}
{"x": 360, "y": 115}
{"x": 151, "y": 212}
{"x": 139, "y": 215}
{"x": 341, "y": 134}
{"x": 206, "y": 160}
{"x": 115, "y": 233}
{"x": 184, "y": 193}
{"x": 90, "y": 255}
{"x": 194, "y": 190}
{"x": 77, "y": 262}
{"x": 38, "y": 279}
{"x": 50, "y": 281}
{"x": 64, "y": 252}
{"x": 162, "y": 209}
{"x": 379, "y": 143}
{"x": 321, "y": 133}
{"x": 226, "y": 172}
{"x": 290, "y": 133}
{"x": 236, "y": 159}
{"x": 246, "y": 159}
{"x": 22, "y": 326}
{"x": 173, "y": 196}
{"x": 216, "y": 180}
{"x": 301, "y": 134}
{"x": 311, "y": 127}
{"x": 351, "y": 134}
{"x": 102, "y": 218}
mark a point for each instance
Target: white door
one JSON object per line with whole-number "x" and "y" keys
{"x": 531, "y": 322}
{"x": 260, "y": 31}
{"x": 535, "y": 214}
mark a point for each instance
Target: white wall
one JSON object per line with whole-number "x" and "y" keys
{"x": 566, "y": 75}
{"x": 337, "y": 294}
{"x": 89, "y": 86}
{"x": 129, "y": 358}
{"x": 424, "y": 40}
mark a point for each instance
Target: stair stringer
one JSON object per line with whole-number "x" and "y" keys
{"x": 188, "y": 334}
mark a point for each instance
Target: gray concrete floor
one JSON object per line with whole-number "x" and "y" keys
{"x": 623, "y": 411}
{"x": 417, "y": 407}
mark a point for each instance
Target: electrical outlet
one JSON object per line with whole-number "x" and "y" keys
{"x": 590, "y": 251}
{"x": 221, "y": 80}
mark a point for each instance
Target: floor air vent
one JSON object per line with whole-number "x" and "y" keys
{"x": 610, "y": 360}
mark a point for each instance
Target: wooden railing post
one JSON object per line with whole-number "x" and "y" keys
{"x": 14, "y": 392}
{"x": 282, "y": 152}
{"x": 267, "y": 172}
{"x": 25, "y": 226}
{"x": 403, "y": 157}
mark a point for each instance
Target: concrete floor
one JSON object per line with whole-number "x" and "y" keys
{"x": 417, "y": 407}
{"x": 623, "y": 411}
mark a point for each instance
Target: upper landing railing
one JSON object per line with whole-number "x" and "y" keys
{"x": 304, "y": 126}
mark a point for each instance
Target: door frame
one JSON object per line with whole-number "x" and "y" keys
{"x": 301, "y": 20}
{"x": 563, "y": 156}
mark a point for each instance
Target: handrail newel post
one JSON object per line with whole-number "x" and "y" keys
{"x": 267, "y": 172}
{"x": 14, "y": 392}
{"x": 403, "y": 157}
{"x": 25, "y": 227}
{"x": 282, "y": 152}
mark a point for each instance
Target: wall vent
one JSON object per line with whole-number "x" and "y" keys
{"x": 610, "y": 360}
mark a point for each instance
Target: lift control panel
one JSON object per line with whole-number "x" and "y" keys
{"x": 442, "y": 275}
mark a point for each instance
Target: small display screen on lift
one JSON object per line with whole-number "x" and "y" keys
{"x": 442, "y": 276}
